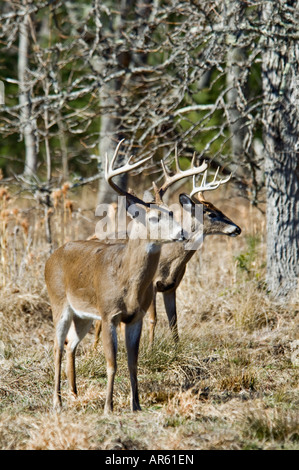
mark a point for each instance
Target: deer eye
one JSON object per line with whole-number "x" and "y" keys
{"x": 212, "y": 215}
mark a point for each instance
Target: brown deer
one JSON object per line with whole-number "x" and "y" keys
{"x": 174, "y": 257}
{"x": 90, "y": 280}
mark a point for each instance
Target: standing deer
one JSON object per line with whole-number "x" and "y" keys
{"x": 90, "y": 280}
{"x": 174, "y": 257}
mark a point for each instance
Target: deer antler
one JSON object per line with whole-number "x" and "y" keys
{"x": 180, "y": 174}
{"x": 110, "y": 173}
{"x": 204, "y": 186}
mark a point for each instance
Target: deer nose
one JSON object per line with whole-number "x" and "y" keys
{"x": 237, "y": 231}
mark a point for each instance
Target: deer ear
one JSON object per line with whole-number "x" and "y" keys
{"x": 186, "y": 202}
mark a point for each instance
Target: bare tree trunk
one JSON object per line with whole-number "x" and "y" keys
{"x": 281, "y": 130}
{"x": 236, "y": 57}
{"x": 27, "y": 122}
{"x": 110, "y": 101}
{"x": 110, "y": 95}
{"x": 109, "y": 137}
{"x": 236, "y": 76}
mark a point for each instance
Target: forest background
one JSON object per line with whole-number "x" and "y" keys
{"x": 219, "y": 78}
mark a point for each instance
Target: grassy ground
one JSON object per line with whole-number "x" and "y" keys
{"x": 231, "y": 383}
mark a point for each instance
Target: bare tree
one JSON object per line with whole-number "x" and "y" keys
{"x": 281, "y": 130}
{"x": 215, "y": 77}
{"x": 27, "y": 121}
{"x": 236, "y": 79}
{"x": 111, "y": 99}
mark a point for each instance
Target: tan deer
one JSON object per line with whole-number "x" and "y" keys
{"x": 174, "y": 257}
{"x": 90, "y": 280}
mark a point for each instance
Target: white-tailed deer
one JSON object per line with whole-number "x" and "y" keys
{"x": 174, "y": 257}
{"x": 90, "y": 280}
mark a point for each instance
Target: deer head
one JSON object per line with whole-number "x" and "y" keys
{"x": 154, "y": 221}
{"x": 209, "y": 219}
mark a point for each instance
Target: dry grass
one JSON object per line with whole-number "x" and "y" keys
{"x": 232, "y": 383}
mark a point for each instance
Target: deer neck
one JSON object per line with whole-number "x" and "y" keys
{"x": 142, "y": 257}
{"x": 140, "y": 264}
{"x": 172, "y": 265}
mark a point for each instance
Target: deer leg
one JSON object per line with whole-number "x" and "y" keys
{"x": 61, "y": 330}
{"x": 110, "y": 350}
{"x": 152, "y": 318}
{"x": 78, "y": 329}
{"x": 170, "y": 306}
{"x": 133, "y": 333}
{"x": 98, "y": 329}
{"x": 58, "y": 351}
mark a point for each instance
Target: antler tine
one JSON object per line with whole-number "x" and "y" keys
{"x": 110, "y": 172}
{"x": 216, "y": 174}
{"x": 115, "y": 153}
{"x": 204, "y": 186}
{"x": 166, "y": 174}
{"x": 180, "y": 174}
{"x": 193, "y": 159}
{"x": 177, "y": 165}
